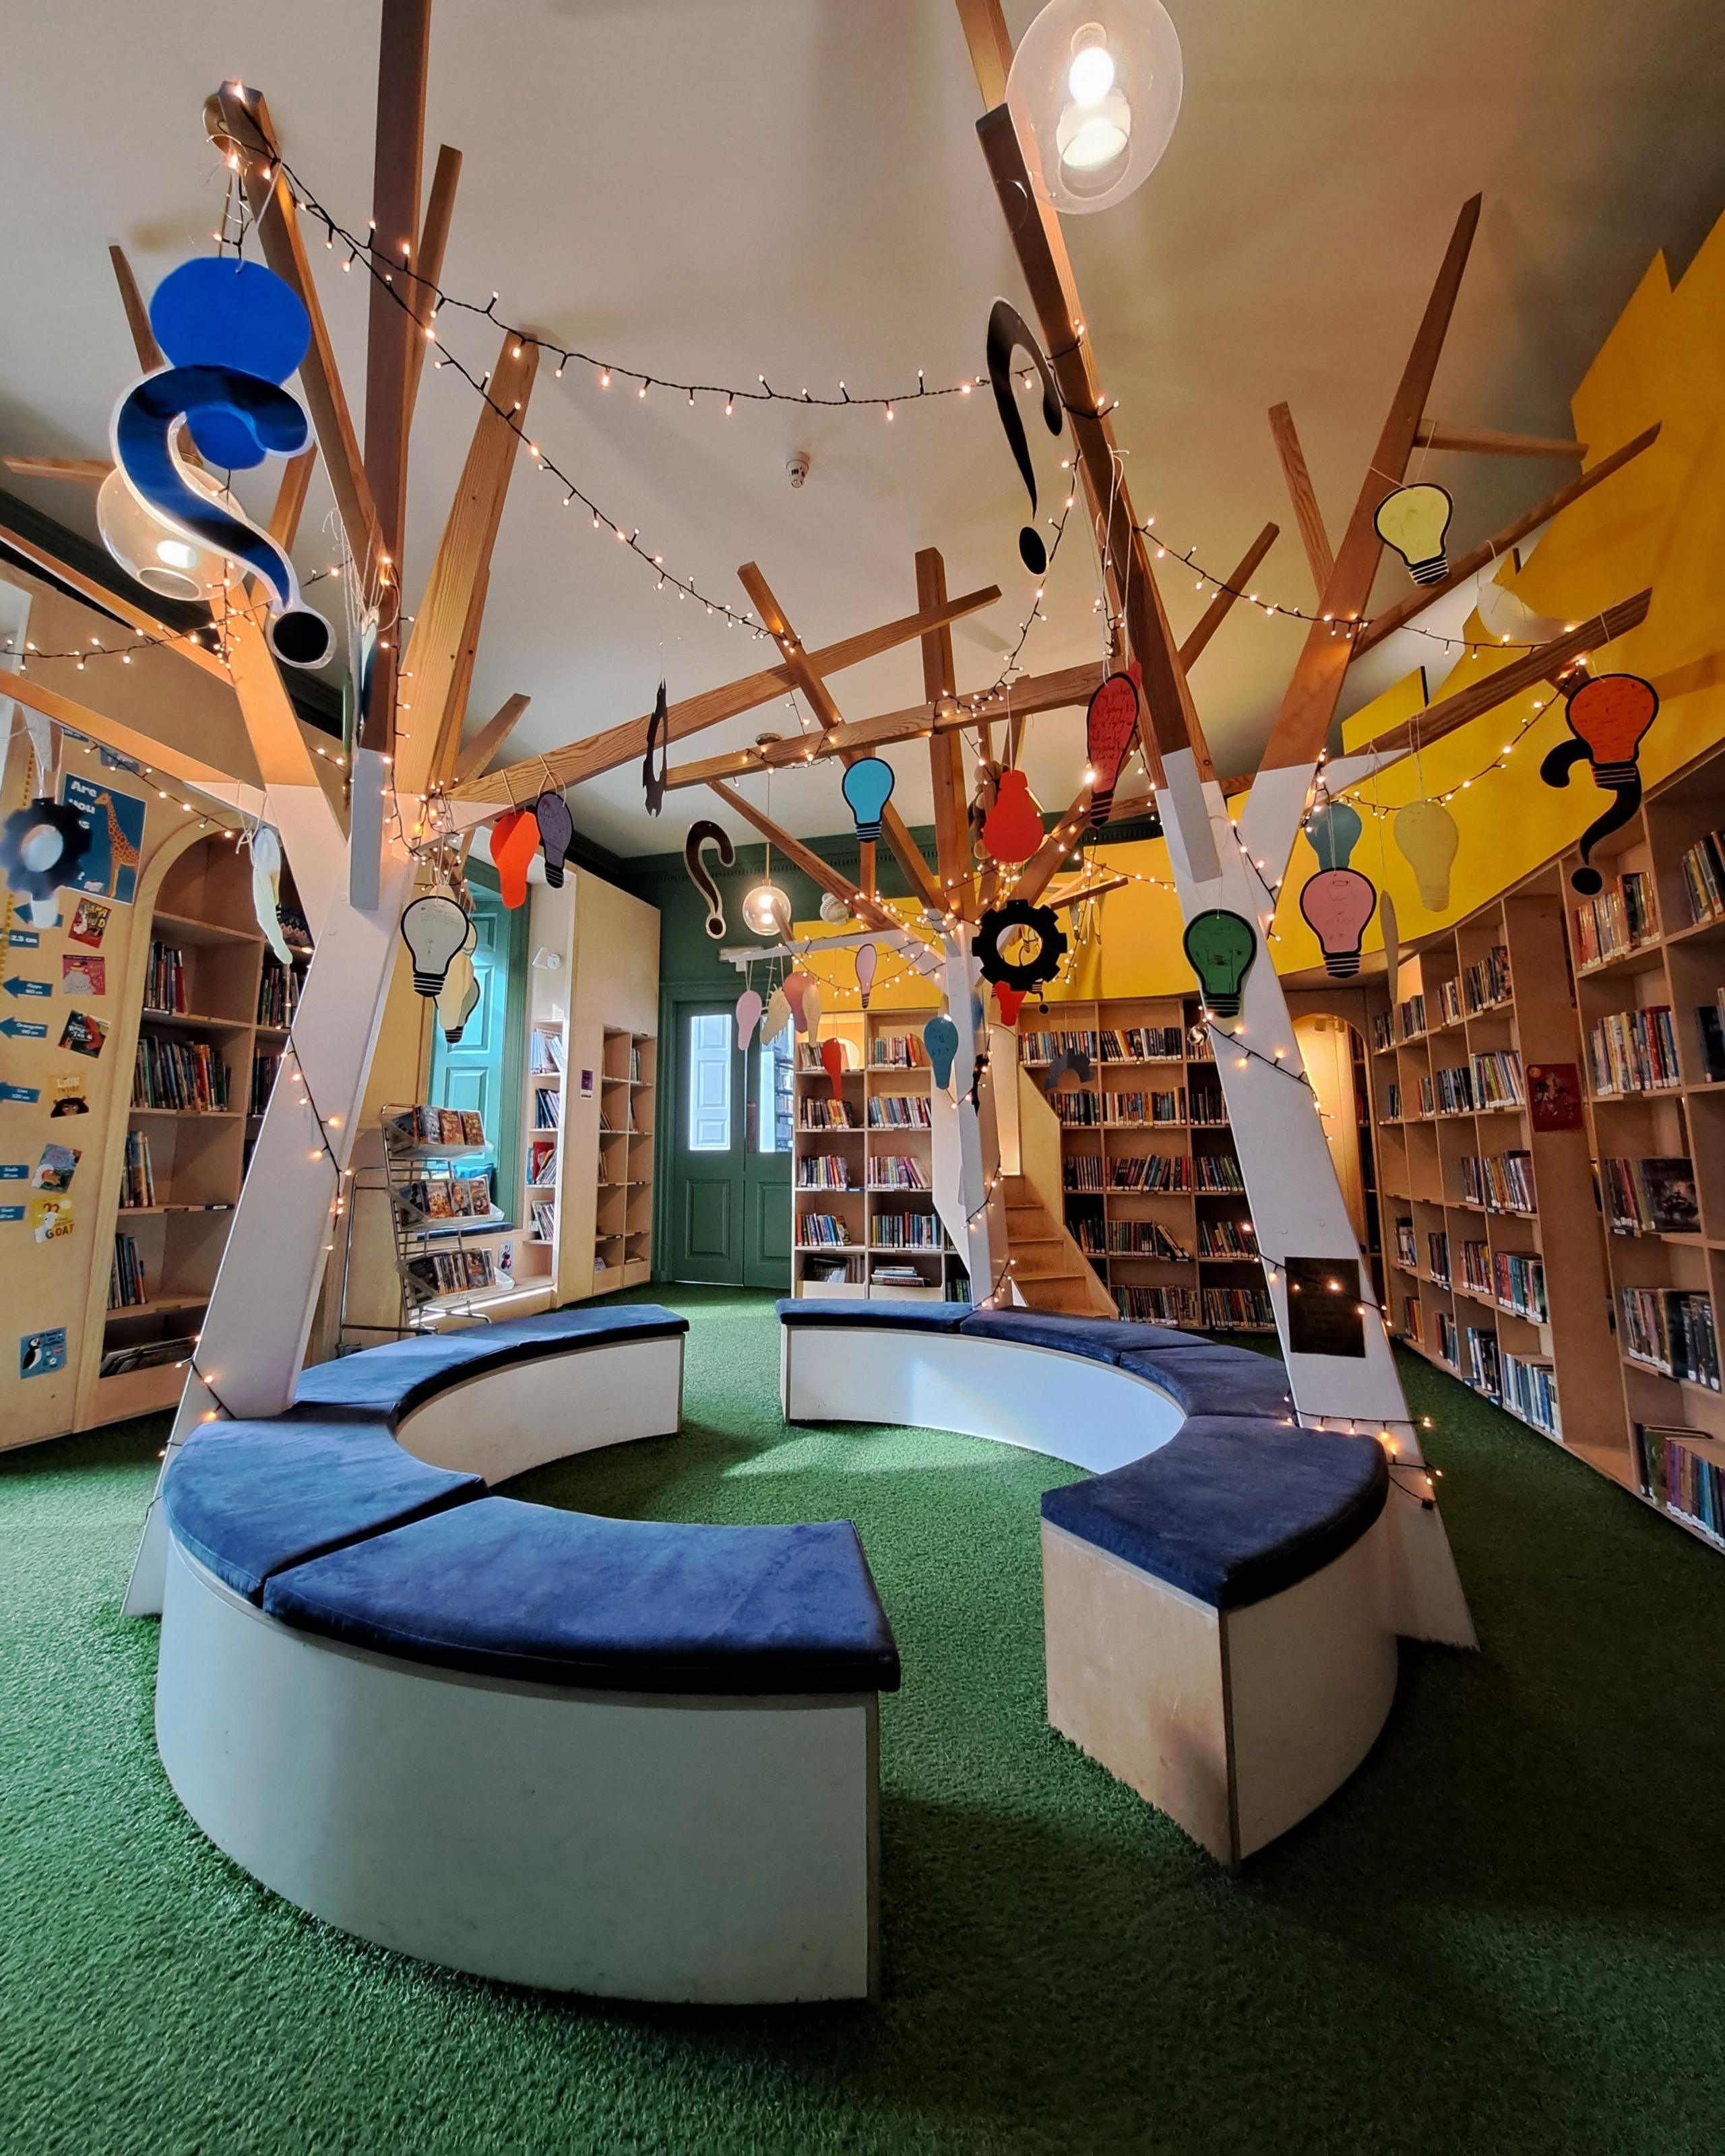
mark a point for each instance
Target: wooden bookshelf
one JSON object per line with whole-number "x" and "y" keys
{"x": 1182, "y": 1255}
{"x": 197, "y": 1156}
{"x": 881, "y": 1204}
{"x": 623, "y": 1219}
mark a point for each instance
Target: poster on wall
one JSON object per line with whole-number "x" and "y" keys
{"x": 1554, "y": 1096}
{"x": 55, "y": 1169}
{"x": 51, "y": 1219}
{"x": 1324, "y": 1315}
{"x": 39, "y": 1352}
{"x": 83, "y": 976}
{"x": 109, "y": 869}
{"x": 89, "y": 923}
{"x": 83, "y": 1035}
{"x": 69, "y": 1096}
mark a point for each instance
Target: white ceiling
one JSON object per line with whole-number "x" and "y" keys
{"x": 792, "y": 187}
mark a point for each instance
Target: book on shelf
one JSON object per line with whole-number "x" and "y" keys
{"x": 1447, "y": 1340}
{"x": 1437, "y": 1244}
{"x": 1407, "y": 1251}
{"x": 1680, "y": 1480}
{"x": 1226, "y": 1238}
{"x": 898, "y": 1110}
{"x": 824, "y": 1228}
{"x": 549, "y": 1109}
{"x": 1704, "y": 877}
{"x": 1043, "y": 1047}
{"x": 127, "y": 1287}
{"x": 545, "y": 1052}
{"x": 1081, "y": 1171}
{"x": 451, "y": 1272}
{"x": 278, "y": 994}
{"x": 145, "y": 1355}
{"x": 1497, "y": 1080}
{"x": 1077, "y": 1110}
{"x": 188, "y": 1076}
{"x": 898, "y": 1276}
{"x": 1633, "y": 1052}
{"x": 1447, "y": 1092}
{"x": 266, "y": 1068}
{"x": 1484, "y": 1371}
{"x": 1710, "y": 1024}
{"x": 1477, "y": 1268}
{"x": 543, "y": 1161}
{"x": 1127, "y": 1109}
{"x": 1393, "y": 1102}
{"x": 825, "y": 1271}
{"x": 818, "y": 1114}
{"x": 1236, "y": 1309}
{"x": 1519, "y": 1278}
{"x": 544, "y": 1213}
{"x": 1159, "y": 1305}
{"x": 137, "y": 1182}
{"x": 1502, "y": 1183}
{"x": 1142, "y": 1043}
{"x": 905, "y": 1231}
{"x": 825, "y": 1171}
{"x": 165, "y": 982}
{"x": 1410, "y": 1319}
{"x": 897, "y": 1051}
{"x": 1655, "y": 1196}
{"x": 892, "y": 1172}
{"x": 1615, "y": 922}
{"x": 1411, "y": 1012}
{"x": 1530, "y": 1388}
{"x": 1487, "y": 984}
{"x": 1450, "y": 1002}
{"x": 1382, "y": 1031}
{"x": 1670, "y": 1330}
{"x": 426, "y": 1127}
{"x": 1208, "y": 1110}
{"x": 1148, "y": 1239}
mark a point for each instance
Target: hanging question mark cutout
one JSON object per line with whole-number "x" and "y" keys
{"x": 700, "y": 876}
{"x": 1609, "y": 715}
{"x": 1007, "y": 334}
{"x": 652, "y": 776}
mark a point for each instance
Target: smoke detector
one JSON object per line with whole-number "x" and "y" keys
{"x": 797, "y": 466}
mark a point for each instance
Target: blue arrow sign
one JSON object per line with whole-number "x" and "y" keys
{"x": 19, "y": 1028}
{"x": 11, "y": 1212}
{"x": 17, "y": 985}
{"x": 21, "y": 939}
{"x": 13, "y": 1171}
{"x": 24, "y": 1093}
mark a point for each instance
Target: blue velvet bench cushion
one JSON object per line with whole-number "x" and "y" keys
{"x": 1208, "y": 1379}
{"x": 247, "y": 1499}
{"x": 1232, "y": 1511}
{"x": 1100, "y": 1339}
{"x": 808, "y": 1313}
{"x": 506, "y": 1589}
{"x": 390, "y": 1381}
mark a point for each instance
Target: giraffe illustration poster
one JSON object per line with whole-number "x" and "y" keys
{"x": 117, "y": 837}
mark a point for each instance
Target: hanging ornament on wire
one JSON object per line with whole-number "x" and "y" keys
{"x": 1220, "y": 947}
{"x": 749, "y": 1017}
{"x": 765, "y": 910}
{"x": 1609, "y": 716}
{"x": 1012, "y": 830}
{"x": 1011, "y": 1002}
{"x": 1413, "y": 519}
{"x": 1334, "y": 829}
{"x": 812, "y": 1011}
{"x": 833, "y": 910}
{"x": 706, "y": 833}
{"x": 43, "y": 845}
{"x": 832, "y": 1060}
{"x": 1338, "y": 903}
{"x": 1007, "y": 333}
{"x": 434, "y": 928}
{"x": 940, "y": 1038}
{"x": 866, "y": 959}
{"x": 1110, "y": 723}
{"x": 1392, "y": 941}
{"x": 457, "y": 998}
{"x": 653, "y": 775}
{"x": 515, "y": 840}
{"x": 556, "y": 830}
{"x": 794, "y": 987}
{"x": 778, "y": 1015}
{"x": 1020, "y": 944}
{"x": 984, "y": 792}
{"x": 1426, "y": 836}
{"x": 266, "y": 890}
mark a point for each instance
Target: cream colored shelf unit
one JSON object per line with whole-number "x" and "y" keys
{"x": 197, "y": 1156}
{"x": 623, "y": 1219}
{"x": 1675, "y": 965}
{"x": 1492, "y": 1246}
{"x": 1153, "y": 1194}
{"x": 884, "y": 1207}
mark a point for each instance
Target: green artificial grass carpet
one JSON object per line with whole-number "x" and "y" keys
{"x": 1508, "y": 1933}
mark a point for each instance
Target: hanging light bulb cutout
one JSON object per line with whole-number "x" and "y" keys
{"x": 833, "y": 910}
{"x": 1111, "y": 722}
{"x": 866, "y": 959}
{"x": 458, "y": 997}
{"x": 867, "y": 788}
{"x": 1220, "y": 947}
{"x": 1334, "y": 828}
{"x": 1097, "y": 84}
{"x": 749, "y": 1017}
{"x": 556, "y": 829}
{"x": 778, "y": 1015}
{"x": 1338, "y": 903}
{"x": 767, "y": 910}
{"x": 515, "y": 840}
{"x": 1012, "y": 829}
{"x": 940, "y": 1037}
{"x": 434, "y": 928}
{"x": 832, "y": 1060}
{"x": 1609, "y": 716}
{"x": 1427, "y": 838}
{"x": 1413, "y": 521}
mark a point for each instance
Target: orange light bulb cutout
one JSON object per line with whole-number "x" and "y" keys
{"x": 1012, "y": 829}
{"x": 1609, "y": 715}
{"x": 1110, "y": 721}
{"x": 515, "y": 840}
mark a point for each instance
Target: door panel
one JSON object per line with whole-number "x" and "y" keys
{"x": 707, "y": 1222}
{"x": 730, "y": 1210}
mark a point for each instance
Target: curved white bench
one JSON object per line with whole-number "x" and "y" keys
{"x": 1216, "y": 1599}
{"x": 622, "y": 1757}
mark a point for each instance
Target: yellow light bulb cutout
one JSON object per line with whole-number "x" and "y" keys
{"x": 1413, "y": 521}
{"x": 1426, "y": 835}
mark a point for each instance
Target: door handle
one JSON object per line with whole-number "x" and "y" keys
{"x": 751, "y": 1121}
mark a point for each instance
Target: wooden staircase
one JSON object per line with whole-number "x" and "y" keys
{"x": 1048, "y": 1269}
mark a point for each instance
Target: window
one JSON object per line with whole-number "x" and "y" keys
{"x": 709, "y": 1082}
{"x": 776, "y": 1095}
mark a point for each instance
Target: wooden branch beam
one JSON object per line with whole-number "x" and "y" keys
{"x": 945, "y": 751}
{"x": 1217, "y": 612}
{"x": 127, "y": 740}
{"x": 113, "y": 603}
{"x": 1306, "y": 513}
{"x": 1040, "y": 871}
{"x": 453, "y": 604}
{"x": 1487, "y": 442}
{"x": 290, "y": 498}
{"x": 137, "y": 315}
{"x": 489, "y": 738}
{"x": 600, "y": 752}
{"x": 1036, "y": 239}
{"x": 811, "y": 864}
{"x": 392, "y": 332}
{"x": 80, "y": 468}
{"x": 1039, "y": 692}
{"x": 1527, "y": 672}
{"x": 1393, "y": 618}
{"x": 985, "y": 32}
{"x": 1078, "y": 895}
{"x": 1309, "y": 705}
{"x": 428, "y": 264}
{"x": 241, "y": 119}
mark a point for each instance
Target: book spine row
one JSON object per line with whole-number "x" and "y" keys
{"x": 187, "y": 1075}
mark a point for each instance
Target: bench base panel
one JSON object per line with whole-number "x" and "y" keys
{"x": 1237, "y": 1723}
{"x": 700, "y": 1850}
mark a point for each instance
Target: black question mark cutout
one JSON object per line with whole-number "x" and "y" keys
{"x": 1007, "y": 333}
{"x": 702, "y": 876}
{"x": 653, "y": 778}
{"x": 1554, "y": 771}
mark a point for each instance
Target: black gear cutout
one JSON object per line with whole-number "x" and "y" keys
{"x": 1031, "y": 974}
{"x": 37, "y": 885}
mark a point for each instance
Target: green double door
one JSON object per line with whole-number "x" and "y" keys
{"x": 730, "y": 1159}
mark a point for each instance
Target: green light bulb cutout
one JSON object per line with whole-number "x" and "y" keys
{"x": 1220, "y": 947}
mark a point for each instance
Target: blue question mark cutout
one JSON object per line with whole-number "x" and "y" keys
{"x": 232, "y": 333}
